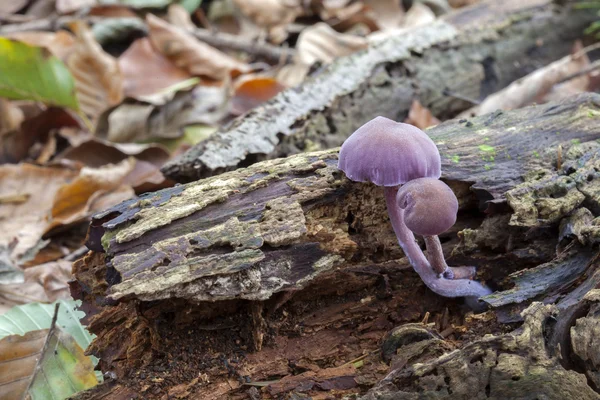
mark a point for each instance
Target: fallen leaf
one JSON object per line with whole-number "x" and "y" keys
{"x": 146, "y": 71}
{"x": 27, "y": 221}
{"x": 321, "y": 43}
{"x": 52, "y": 279}
{"x": 98, "y": 80}
{"x": 135, "y": 121}
{"x": 60, "y": 43}
{"x": 41, "y": 9}
{"x": 292, "y": 75}
{"x": 389, "y": 14}
{"x": 74, "y": 200}
{"x": 418, "y": 15}
{"x": 179, "y": 16}
{"x": 461, "y": 3}
{"x": 272, "y": 15}
{"x": 10, "y": 273}
{"x": 420, "y": 116}
{"x": 189, "y": 53}
{"x": 192, "y": 134}
{"x": 11, "y": 7}
{"x": 15, "y": 146}
{"x": 112, "y": 11}
{"x": 251, "y": 91}
{"x": 145, "y": 175}
{"x": 10, "y": 117}
{"x": 57, "y": 196}
{"x": 96, "y": 153}
{"x": 348, "y": 16}
{"x": 42, "y": 364}
{"x": 69, "y": 6}
{"x": 32, "y": 73}
{"x": 47, "y": 150}
{"x": 533, "y": 87}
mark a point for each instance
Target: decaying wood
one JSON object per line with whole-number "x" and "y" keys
{"x": 185, "y": 284}
{"x": 474, "y": 52}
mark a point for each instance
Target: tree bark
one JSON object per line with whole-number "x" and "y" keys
{"x": 284, "y": 277}
{"x": 471, "y": 53}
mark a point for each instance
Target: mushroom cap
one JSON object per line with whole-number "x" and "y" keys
{"x": 429, "y": 205}
{"x": 389, "y": 153}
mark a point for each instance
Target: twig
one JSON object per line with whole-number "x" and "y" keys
{"x": 224, "y": 40}
{"x": 450, "y": 93}
{"x": 592, "y": 67}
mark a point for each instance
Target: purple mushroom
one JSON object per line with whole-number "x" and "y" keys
{"x": 430, "y": 208}
{"x": 389, "y": 154}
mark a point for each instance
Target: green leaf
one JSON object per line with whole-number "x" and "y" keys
{"x": 44, "y": 364}
{"x": 32, "y": 73}
{"x": 34, "y": 316}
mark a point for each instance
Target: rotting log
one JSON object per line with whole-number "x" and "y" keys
{"x": 286, "y": 271}
{"x": 473, "y": 53}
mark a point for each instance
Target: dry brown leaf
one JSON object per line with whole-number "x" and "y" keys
{"x": 69, "y": 6}
{"x": 47, "y": 150}
{"x": 56, "y": 196}
{"x": 531, "y": 88}
{"x": 321, "y": 43}
{"x": 420, "y": 116}
{"x": 41, "y": 8}
{"x": 145, "y": 175}
{"x": 251, "y": 91}
{"x": 141, "y": 121}
{"x": 52, "y": 279}
{"x": 12, "y": 6}
{"x": 189, "y": 53}
{"x": 418, "y": 15}
{"x": 73, "y": 201}
{"x": 292, "y": 74}
{"x": 112, "y": 11}
{"x": 178, "y": 16}
{"x": 96, "y": 153}
{"x": 11, "y": 117}
{"x": 272, "y": 15}
{"x": 27, "y": 221}
{"x": 461, "y": 3}
{"x": 98, "y": 79}
{"x": 389, "y": 14}
{"x": 146, "y": 71}
{"x": 17, "y": 145}
{"x": 60, "y": 43}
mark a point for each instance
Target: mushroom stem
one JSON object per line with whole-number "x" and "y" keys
{"x": 436, "y": 258}
{"x": 406, "y": 239}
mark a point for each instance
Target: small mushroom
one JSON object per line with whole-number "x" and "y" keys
{"x": 389, "y": 154}
{"x": 430, "y": 208}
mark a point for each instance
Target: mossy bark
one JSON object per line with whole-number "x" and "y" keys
{"x": 473, "y": 53}
{"x": 290, "y": 257}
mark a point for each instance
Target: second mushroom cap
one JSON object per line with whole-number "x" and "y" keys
{"x": 430, "y": 206}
